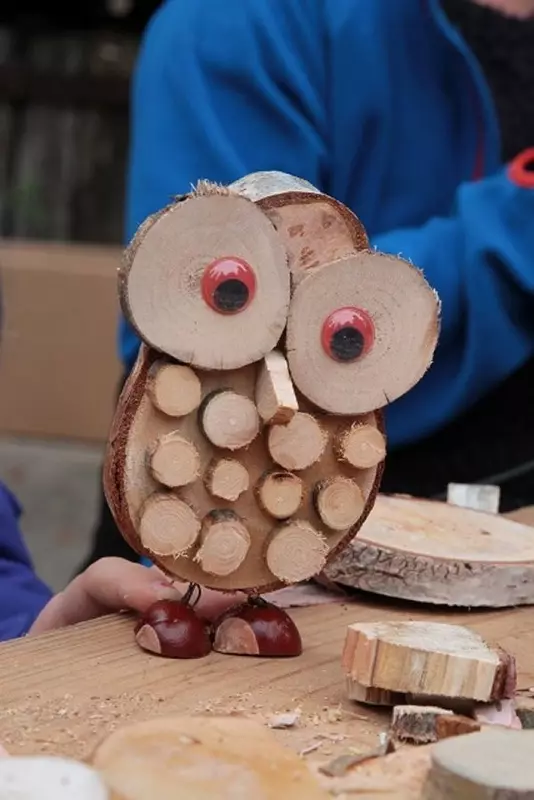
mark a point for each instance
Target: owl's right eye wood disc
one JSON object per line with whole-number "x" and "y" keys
{"x": 361, "y": 332}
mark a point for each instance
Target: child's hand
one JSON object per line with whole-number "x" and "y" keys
{"x": 113, "y": 584}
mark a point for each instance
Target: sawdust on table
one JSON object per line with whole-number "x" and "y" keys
{"x": 72, "y": 726}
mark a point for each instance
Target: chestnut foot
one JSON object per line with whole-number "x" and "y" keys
{"x": 173, "y": 629}
{"x": 257, "y": 628}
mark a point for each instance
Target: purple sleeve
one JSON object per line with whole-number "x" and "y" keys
{"x": 22, "y": 594}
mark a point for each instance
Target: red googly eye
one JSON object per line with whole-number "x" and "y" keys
{"x": 347, "y": 334}
{"x": 228, "y": 285}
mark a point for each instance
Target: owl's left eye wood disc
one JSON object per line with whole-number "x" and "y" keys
{"x": 208, "y": 283}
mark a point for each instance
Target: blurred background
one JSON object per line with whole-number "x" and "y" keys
{"x": 65, "y": 71}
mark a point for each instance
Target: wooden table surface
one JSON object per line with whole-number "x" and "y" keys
{"x": 62, "y": 692}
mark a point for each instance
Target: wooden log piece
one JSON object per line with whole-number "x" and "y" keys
{"x": 314, "y": 227}
{"x": 373, "y": 695}
{"x": 296, "y": 552}
{"x": 227, "y": 478}
{"x": 174, "y": 461}
{"x": 280, "y": 493}
{"x": 299, "y": 444}
{"x": 455, "y": 725}
{"x": 489, "y": 765}
{"x": 206, "y": 281}
{"x": 431, "y": 552}
{"x": 275, "y": 395}
{"x": 225, "y": 542}
{"x": 339, "y": 502}
{"x": 223, "y": 758}
{"x": 362, "y": 446}
{"x": 389, "y": 354}
{"x": 174, "y": 389}
{"x": 49, "y": 777}
{"x": 417, "y": 724}
{"x": 168, "y": 526}
{"x": 427, "y": 658}
{"x": 229, "y": 420}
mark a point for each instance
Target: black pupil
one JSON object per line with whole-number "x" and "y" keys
{"x": 347, "y": 344}
{"x": 230, "y": 295}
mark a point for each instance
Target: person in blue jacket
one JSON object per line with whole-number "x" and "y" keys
{"x": 418, "y": 115}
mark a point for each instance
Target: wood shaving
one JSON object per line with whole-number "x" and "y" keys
{"x": 281, "y": 721}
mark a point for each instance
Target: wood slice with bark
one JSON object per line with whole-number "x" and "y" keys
{"x": 438, "y": 553}
{"x": 362, "y": 446}
{"x": 227, "y": 478}
{"x": 427, "y": 658}
{"x": 168, "y": 526}
{"x": 280, "y": 493}
{"x": 296, "y": 552}
{"x": 199, "y": 262}
{"x": 174, "y": 389}
{"x": 174, "y": 461}
{"x": 229, "y": 420}
{"x": 339, "y": 502}
{"x": 489, "y": 765}
{"x": 299, "y": 444}
{"x": 225, "y": 542}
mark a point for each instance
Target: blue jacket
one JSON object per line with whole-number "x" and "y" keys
{"x": 379, "y": 103}
{"x": 22, "y": 594}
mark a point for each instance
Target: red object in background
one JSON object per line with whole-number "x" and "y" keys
{"x": 521, "y": 170}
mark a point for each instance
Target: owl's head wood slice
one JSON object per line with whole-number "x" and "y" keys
{"x": 247, "y": 446}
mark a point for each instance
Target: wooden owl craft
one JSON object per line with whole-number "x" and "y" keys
{"x": 248, "y": 445}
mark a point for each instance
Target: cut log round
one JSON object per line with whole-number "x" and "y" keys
{"x": 417, "y": 724}
{"x": 299, "y": 444}
{"x": 229, "y": 420}
{"x": 382, "y": 348}
{"x": 362, "y": 446}
{"x": 174, "y": 389}
{"x": 488, "y": 765}
{"x": 223, "y": 758}
{"x": 227, "y": 478}
{"x": 207, "y": 281}
{"x": 50, "y": 778}
{"x": 315, "y": 228}
{"x": 168, "y": 526}
{"x": 280, "y": 494}
{"x": 225, "y": 543}
{"x": 339, "y": 502}
{"x": 434, "y": 552}
{"x": 275, "y": 395}
{"x": 174, "y": 461}
{"x": 427, "y": 658}
{"x": 296, "y": 552}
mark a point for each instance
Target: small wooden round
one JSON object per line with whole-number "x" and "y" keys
{"x": 489, "y": 765}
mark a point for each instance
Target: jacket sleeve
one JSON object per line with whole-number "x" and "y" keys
{"x": 219, "y": 92}
{"x": 480, "y": 261}
{"x": 22, "y": 594}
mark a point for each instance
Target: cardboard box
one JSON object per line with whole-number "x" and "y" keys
{"x": 59, "y": 369}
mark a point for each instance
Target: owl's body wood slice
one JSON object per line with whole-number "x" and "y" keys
{"x": 247, "y": 446}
